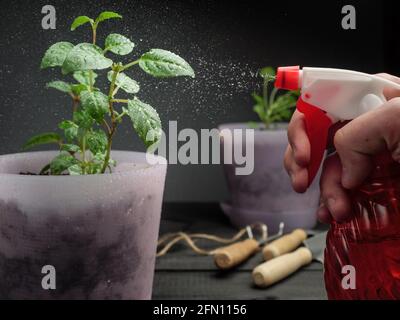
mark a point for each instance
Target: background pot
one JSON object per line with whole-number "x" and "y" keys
{"x": 99, "y": 231}
{"x": 266, "y": 195}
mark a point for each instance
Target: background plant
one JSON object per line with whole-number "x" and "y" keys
{"x": 271, "y": 107}
{"x": 85, "y": 147}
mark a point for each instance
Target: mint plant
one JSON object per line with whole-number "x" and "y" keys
{"x": 85, "y": 146}
{"x": 271, "y": 107}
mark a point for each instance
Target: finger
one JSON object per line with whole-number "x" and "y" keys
{"x": 356, "y": 165}
{"x": 332, "y": 131}
{"x": 334, "y": 196}
{"x": 323, "y": 214}
{"x": 298, "y": 139}
{"x": 390, "y": 93}
{"x": 298, "y": 175}
{"x": 366, "y": 136}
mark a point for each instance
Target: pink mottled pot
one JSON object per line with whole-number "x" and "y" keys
{"x": 99, "y": 232}
{"x": 266, "y": 195}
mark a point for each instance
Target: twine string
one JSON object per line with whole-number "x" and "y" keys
{"x": 169, "y": 240}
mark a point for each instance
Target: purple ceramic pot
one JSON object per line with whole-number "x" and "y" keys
{"x": 266, "y": 195}
{"x": 99, "y": 232}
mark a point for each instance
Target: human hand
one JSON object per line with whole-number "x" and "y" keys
{"x": 356, "y": 143}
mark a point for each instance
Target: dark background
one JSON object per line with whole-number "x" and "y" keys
{"x": 224, "y": 41}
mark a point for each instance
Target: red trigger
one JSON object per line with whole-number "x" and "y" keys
{"x": 317, "y": 127}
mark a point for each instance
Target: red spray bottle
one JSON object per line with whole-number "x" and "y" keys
{"x": 362, "y": 255}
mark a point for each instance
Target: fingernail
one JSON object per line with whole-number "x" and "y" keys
{"x": 291, "y": 175}
{"x": 331, "y": 204}
{"x": 345, "y": 176}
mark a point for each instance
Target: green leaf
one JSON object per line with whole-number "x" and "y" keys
{"x": 75, "y": 170}
{"x": 85, "y": 56}
{"x": 259, "y": 109}
{"x": 268, "y": 73}
{"x": 161, "y": 63}
{"x": 107, "y": 15}
{"x": 83, "y": 77}
{"x": 146, "y": 121}
{"x": 44, "y": 138}
{"x": 252, "y": 125}
{"x": 94, "y": 167}
{"x": 60, "y": 85}
{"x": 70, "y": 129}
{"x": 98, "y": 161}
{"x": 124, "y": 82}
{"x": 82, "y": 119}
{"x": 78, "y": 88}
{"x": 45, "y": 170}
{"x": 80, "y": 21}
{"x": 282, "y": 108}
{"x": 119, "y": 44}
{"x": 96, "y": 141}
{"x": 258, "y": 99}
{"x": 70, "y": 148}
{"x": 95, "y": 103}
{"x": 56, "y": 54}
{"x": 61, "y": 163}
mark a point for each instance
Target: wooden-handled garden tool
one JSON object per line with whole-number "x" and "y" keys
{"x": 234, "y": 254}
{"x": 285, "y": 244}
{"x": 278, "y": 268}
{"x": 235, "y": 249}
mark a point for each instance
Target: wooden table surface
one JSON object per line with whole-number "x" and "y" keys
{"x": 182, "y": 274}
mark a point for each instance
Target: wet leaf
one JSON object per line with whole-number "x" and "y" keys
{"x": 70, "y": 148}
{"x": 85, "y": 56}
{"x": 95, "y": 103}
{"x": 60, "y": 86}
{"x": 96, "y": 141}
{"x": 82, "y": 119}
{"x": 119, "y": 44}
{"x": 61, "y": 163}
{"x": 78, "y": 88}
{"x": 124, "y": 82}
{"x": 40, "y": 139}
{"x": 56, "y": 54}
{"x": 75, "y": 170}
{"x": 107, "y": 15}
{"x": 70, "y": 129}
{"x": 83, "y": 77}
{"x": 80, "y": 21}
{"x": 162, "y": 63}
{"x": 146, "y": 121}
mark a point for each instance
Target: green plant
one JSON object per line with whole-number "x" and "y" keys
{"x": 271, "y": 107}
{"x": 88, "y": 136}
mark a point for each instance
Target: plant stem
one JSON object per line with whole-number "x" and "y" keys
{"x": 75, "y": 102}
{"x": 266, "y": 120}
{"x": 113, "y": 121}
{"x": 91, "y": 80}
{"x": 120, "y": 116}
{"x": 265, "y": 94}
{"x": 115, "y": 91}
{"x": 120, "y": 100}
{"x": 273, "y": 95}
{"x": 130, "y": 64}
{"x": 106, "y": 125}
{"x": 112, "y": 86}
{"x": 84, "y": 153}
{"x": 94, "y": 29}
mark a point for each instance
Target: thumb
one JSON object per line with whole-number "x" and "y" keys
{"x": 366, "y": 136}
{"x": 390, "y": 92}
